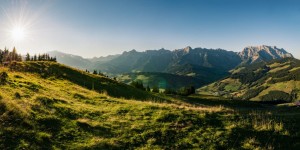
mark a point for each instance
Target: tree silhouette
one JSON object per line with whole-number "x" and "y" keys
{"x": 27, "y": 57}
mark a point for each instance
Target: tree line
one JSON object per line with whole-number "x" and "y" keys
{"x": 184, "y": 91}
{"x": 40, "y": 57}
{"x": 6, "y": 56}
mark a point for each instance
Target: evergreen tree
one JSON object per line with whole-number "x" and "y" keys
{"x": 39, "y": 57}
{"x": 95, "y": 72}
{"x": 35, "y": 57}
{"x": 148, "y": 88}
{"x": 1, "y": 56}
{"x": 14, "y": 55}
{"x": 27, "y": 58}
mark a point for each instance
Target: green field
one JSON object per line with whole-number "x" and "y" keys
{"x": 47, "y": 112}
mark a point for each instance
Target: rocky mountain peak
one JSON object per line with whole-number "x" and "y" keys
{"x": 262, "y": 53}
{"x": 187, "y": 49}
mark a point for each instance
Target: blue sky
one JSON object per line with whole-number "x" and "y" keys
{"x": 101, "y": 27}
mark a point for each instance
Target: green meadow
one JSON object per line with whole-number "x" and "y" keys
{"x": 46, "y": 105}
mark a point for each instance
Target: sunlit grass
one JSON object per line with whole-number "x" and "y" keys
{"x": 57, "y": 113}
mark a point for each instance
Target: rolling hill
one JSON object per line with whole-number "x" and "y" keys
{"x": 46, "y": 105}
{"x": 98, "y": 83}
{"x": 276, "y": 81}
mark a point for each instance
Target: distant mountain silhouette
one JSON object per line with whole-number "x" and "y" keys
{"x": 208, "y": 64}
{"x": 78, "y": 61}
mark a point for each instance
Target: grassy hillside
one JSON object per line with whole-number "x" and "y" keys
{"x": 163, "y": 80}
{"x": 52, "y": 70}
{"x": 41, "y": 112}
{"x": 276, "y": 81}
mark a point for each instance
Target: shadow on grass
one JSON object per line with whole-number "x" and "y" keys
{"x": 234, "y": 104}
{"x": 95, "y": 130}
{"x": 251, "y": 138}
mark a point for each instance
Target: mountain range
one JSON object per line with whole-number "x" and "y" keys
{"x": 201, "y": 63}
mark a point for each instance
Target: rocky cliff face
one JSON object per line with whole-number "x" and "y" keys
{"x": 262, "y": 53}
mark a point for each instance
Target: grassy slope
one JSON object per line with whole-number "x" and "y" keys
{"x": 282, "y": 76}
{"x": 89, "y": 81}
{"x": 54, "y": 113}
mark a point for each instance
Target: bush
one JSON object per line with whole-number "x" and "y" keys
{"x": 3, "y": 77}
{"x": 188, "y": 90}
{"x": 17, "y": 95}
{"x": 155, "y": 89}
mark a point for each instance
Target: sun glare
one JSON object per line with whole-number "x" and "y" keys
{"x": 18, "y": 33}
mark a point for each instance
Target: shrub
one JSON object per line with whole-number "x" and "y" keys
{"x": 3, "y": 77}
{"x": 188, "y": 90}
{"x": 17, "y": 95}
{"x": 79, "y": 96}
{"x": 155, "y": 89}
{"x": 17, "y": 76}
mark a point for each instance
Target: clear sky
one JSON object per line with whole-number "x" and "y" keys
{"x": 101, "y": 27}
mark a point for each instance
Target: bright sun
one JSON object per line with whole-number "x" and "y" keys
{"x": 18, "y": 33}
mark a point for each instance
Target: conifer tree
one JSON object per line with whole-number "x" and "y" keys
{"x": 27, "y": 58}
{"x": 35, "y": 58}
{"x": 95, "y": 72}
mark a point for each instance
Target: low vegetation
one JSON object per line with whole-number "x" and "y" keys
{"x": 45, "y": 105}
